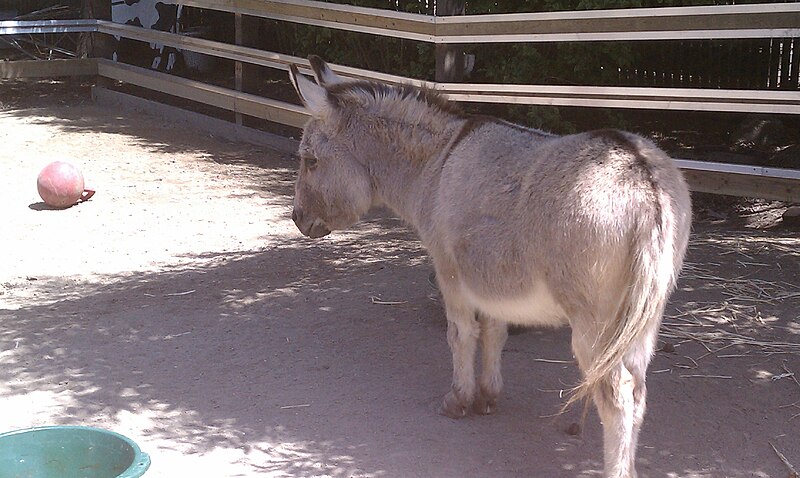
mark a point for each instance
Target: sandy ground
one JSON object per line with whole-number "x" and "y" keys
{"x": 180, "y": 307}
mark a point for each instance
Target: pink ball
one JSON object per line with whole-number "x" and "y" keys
{"x": 60, "y": 185}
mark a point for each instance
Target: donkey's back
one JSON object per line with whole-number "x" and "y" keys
{"x": 514, "y": 207}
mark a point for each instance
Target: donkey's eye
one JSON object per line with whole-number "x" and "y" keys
{"x": 309, "y": 161}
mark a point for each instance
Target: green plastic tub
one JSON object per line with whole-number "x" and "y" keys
{"x": 70, "y": 452}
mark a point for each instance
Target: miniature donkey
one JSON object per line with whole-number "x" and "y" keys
{"x": 523, "y": 227}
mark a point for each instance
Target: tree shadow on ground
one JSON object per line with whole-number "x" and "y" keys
{"x": 289, "y": 359}
{"x": 268, "y": 333}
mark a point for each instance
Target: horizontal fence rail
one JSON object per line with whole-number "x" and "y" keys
{"x": 32, "y": 27}
{"x": 224, "y": 98}
{"x": 49, "y": 68}
{"x": 690, "y": 99}
{"x": 685, "y": 23}
{"x": 741, "y": 180}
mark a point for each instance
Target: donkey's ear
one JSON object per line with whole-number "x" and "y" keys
{"x": 322, "y": 72}
{"x": 314, "y": 97}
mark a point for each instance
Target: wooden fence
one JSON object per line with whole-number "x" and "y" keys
{"x": 760, "y": 21}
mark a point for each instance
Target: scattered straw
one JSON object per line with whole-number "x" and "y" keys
{"x": 732, "y": 326}
{"x": 706, "y": 376}
{"x": 289, "y": 407}
{"x": 730, "y": 339}
{"x": 795, "y": 405}
{"x": 552, "y": 360}
{"x": 379, "y": 301}
{"x": 744, "y": 289}
{"x": 177, "y": 294}
{"x": 790, "y": 374}
{"x": 718, "y": 340}
{"x": 744, "y": 297}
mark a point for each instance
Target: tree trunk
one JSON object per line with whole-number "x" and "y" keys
{"x": 95, "y": 44}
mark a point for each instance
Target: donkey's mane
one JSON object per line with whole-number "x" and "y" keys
{"x": 423, "y": 109}
{"x": 419, "y": 121}
{"x": 373, "y": 92}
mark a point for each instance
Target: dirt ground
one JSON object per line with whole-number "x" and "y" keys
{"x": 181, "y": 307}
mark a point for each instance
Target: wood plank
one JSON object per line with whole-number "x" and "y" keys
{"x": 744, "y": 185}
{"x": 17, "y": 27}
{"x": 616, "y": 21}
{"x": 619, "y": 36}
{"x": 721, "y": 21}
{"x": 237, "y": 26}
{"x": 685, "y": 94}
{"x": 214, "y": 126}
{"x": 342, "y": 17}
{"x": 719, "y": 106}
{"x": 639, "y": 98}
{"x": 449, "y": 58}
{"x": 231, "y": 100}
{"x": 745, "y": 169}
{"x": 48, "y": 68}
{"x": 199, "y": 45}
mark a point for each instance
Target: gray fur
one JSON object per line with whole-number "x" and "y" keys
{"x": 523, "y": 227}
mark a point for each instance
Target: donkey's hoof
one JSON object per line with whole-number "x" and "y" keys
{"x": 452, "y": 407}
{"x": 484, "y": 405}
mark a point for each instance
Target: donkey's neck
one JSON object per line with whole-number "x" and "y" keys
{"x": 404, "y": 152}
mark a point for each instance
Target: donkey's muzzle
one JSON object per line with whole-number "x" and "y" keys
{"x": 314, "y": 228}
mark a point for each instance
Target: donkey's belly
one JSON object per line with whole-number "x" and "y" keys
{"x": 538, "y": 307}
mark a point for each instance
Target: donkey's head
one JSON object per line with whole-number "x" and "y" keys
{"x": 333, "y": 188}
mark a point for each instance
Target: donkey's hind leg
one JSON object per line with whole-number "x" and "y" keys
{"x": 493, "y": 337}
{"x": 615, "y": 403}
{"x": 620, "y": 400}
{"x": 462, "y": 336}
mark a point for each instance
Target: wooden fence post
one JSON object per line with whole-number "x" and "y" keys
{"x": 238, "y": 36}
{"x": 245, "y": 34}
{"x": 449, "y": 58}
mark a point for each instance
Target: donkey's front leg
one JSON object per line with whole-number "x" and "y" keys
{"x": 493, "y": 337}
{"x": 462, "y": 335}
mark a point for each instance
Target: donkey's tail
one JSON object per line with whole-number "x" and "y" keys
{"x": 657, "y": 247}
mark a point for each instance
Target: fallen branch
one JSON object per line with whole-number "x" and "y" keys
{"x": 552, "y": 360}
{"x": 792, "y": 471}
